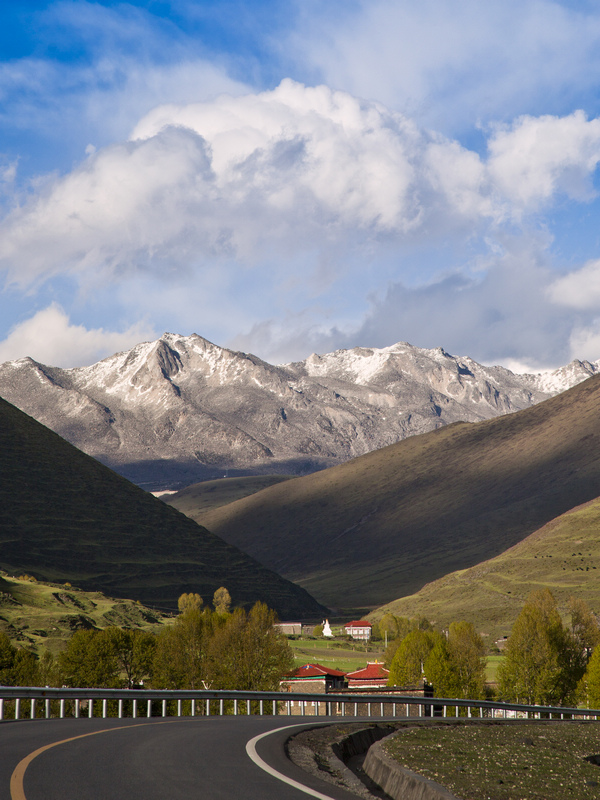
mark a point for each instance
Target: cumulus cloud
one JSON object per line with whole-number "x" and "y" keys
{"x": 49, "y": 337}
{"x": 580, "y": 288}
{"x": 450, "y": 64}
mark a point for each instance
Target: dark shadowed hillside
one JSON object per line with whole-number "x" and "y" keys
{"x": 382, "y": 525}
{"x": 66, "y": 517}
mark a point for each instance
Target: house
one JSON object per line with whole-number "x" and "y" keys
{"x": 358, "y": 629}
{"x": 373, "y": 676}
{"x": 289, "y": 628}
{"x": 313, "y": 678}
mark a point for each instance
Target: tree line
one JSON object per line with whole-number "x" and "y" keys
{"x": 204, "y": 648}
{"x": 547, "y": 662}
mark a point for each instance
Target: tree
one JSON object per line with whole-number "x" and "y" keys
{"x": 543, "y": 662}
{"x": 584, "y": 626}
{"x": 407, "y": 665}
{"x": 89, "y": 660}
{"x": 247, "y": 652}
{"x": 134, "y": 651}
{"x": 222, "y": 601}
{"x": 18, "y": 667}
{"x": 591, "y": 680}
{"x": 318, "y": 630}
{"x": 187, "y": 601}
{"x": 181, "y": 649}
{"x": 456, "y": 666}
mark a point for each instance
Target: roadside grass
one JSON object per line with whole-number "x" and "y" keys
{"x": 526, "y": 760}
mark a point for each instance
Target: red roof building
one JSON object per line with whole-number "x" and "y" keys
{"x": 313, "y": 678}
{"x": 358, "y": 629}
{"x": 373, "y": 676}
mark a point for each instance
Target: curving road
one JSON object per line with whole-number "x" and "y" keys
{"x": 214, "y": 758}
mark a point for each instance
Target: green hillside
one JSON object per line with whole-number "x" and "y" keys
{"x": 66, "y": 517}
{"x": 43, "y": 616}
{"x": 563, "y": 555}
{"x": 383, "y": 525}
{"x": 199, "y": 498}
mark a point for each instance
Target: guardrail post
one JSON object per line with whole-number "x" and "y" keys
{"x": 149, "y": 711}
{"x": 208, "y": 707}
{"x": 179, "y": 707}
{"x": 1, "y": 709}
{"x": 32, "y": 708}
{"x": 77, "y": 708}
{"x": 221, "y": 707}
{"x": 274, "y": 708}
{"x": 120, "y": 708}
{"x": 62, "y": 708}
{"x": 48, "y": 708}
{"x": 235, "y": 707}
{"x": 134, "y": 714}
{"x": 90, "y": 708}
{"x": 260, "y": 707}
{"x": 164, "y": 708}
{"x": 193, "y": 708}
{"x": 104, "y": 708}
{"x": 248, "y": 707}
{"x": 356, "y": 709}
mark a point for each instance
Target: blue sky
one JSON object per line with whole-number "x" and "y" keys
{"x": 290, "y": 177}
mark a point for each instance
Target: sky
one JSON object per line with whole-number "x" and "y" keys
{"x": 287, "y": 177}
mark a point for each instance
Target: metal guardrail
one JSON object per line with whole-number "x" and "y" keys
{"x": 19, "y": 702}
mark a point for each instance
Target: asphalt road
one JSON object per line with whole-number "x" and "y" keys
{"x": 171, "y": 759}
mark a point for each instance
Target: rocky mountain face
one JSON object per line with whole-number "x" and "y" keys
{"x": 181, "y": 409}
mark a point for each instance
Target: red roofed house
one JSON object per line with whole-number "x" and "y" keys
{"x": 358, "y": 629}
{"x": 313, "y": 678}
{"x": 373, "y": 676}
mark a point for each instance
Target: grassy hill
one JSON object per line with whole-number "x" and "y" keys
{"x": 563, "y": 555}
{"x": 40, "y": 616}
{"x": 66, "y": 517}
{"x": 199, "y": 498}
{"x": 383, "y": 525}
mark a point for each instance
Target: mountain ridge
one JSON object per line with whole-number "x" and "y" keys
{"x": 181, "y": 409}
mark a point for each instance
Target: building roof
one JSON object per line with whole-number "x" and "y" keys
{"x": 360, "y": 623}
{"x": 373, "y": 671}
{"x": 315, "y": 671}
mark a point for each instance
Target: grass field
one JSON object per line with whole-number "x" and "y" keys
{"x": 504, "y": 761}
{"x": 335, "y": 655}
{"x": 43, "y": 616}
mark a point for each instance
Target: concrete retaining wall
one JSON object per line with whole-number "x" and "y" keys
{"x": 400, "y": 783}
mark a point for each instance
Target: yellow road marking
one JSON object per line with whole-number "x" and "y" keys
{"x": 16, "y": 779}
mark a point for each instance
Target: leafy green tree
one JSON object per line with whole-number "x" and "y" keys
{"x": 456, "y": 666}
{"x": 187, "y": 601}
{"x": 318, "y": 630}
{"x": 18, "y": 667}
{"x": 584, "y": 626}
{"x": 543, "y": 662}
{"x": 89, "y": 660}
{"x": 590, "y": 685}
{"x": 180, "y": 658}
{"x": 247, "y": 652}
{"x": 409, "y": 660}
{"x": 222, "y": 601}
{"x": 134, "y": 651}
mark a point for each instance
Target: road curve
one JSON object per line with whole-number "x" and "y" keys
{"x": 155, "y": 759}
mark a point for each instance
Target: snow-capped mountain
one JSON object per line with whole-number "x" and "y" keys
{"x": 182, "y": 409}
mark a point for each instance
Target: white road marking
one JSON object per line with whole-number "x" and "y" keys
{"x": 253, "y": 755}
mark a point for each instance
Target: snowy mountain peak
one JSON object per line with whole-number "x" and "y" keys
{"x": 181, "y": 408}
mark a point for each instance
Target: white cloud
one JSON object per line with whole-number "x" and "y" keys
{"x": 534, "y": 159}
{"x": 449, "y": 63}
{"x": 579, "y": 289}
{"x": 50, "y": 338}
